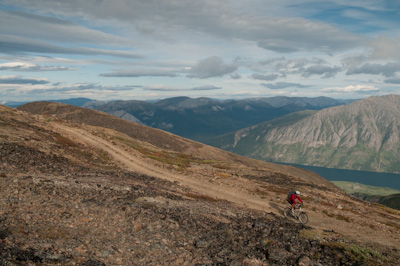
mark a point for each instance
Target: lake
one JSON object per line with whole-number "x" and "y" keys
{"x": 363, "y": 177}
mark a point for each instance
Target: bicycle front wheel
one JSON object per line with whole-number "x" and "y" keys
{"x": 303, "y": 217}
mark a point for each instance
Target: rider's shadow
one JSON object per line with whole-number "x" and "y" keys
{"x": 276, "y": 207}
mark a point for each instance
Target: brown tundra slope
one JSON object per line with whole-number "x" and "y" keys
{"x": 80, "y": 187}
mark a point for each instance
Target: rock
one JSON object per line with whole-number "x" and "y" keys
{"x": 200, "y": 243}
{"x": 278, "y": 254}
{"x": 93, "y": 263}
{"x": 235, "y": 263}
{"x": 254, "y": 262}
{"x": 304, "y": 261}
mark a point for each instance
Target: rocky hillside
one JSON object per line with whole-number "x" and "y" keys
{"x": 77, "y": 194}
{"x": 363, "y": 135}
{"x": 202, "y": 118}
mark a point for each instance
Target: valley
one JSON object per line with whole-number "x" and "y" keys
{"x": 203, "y": 118}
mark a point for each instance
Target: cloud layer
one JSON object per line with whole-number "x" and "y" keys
{"x": 156, "y": 49}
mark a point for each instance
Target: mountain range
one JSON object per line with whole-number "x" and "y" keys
{"x": 363, "y": 135}
{"x": 202, "y": 118}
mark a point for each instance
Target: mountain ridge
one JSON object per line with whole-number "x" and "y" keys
{"x": 328, "y": 138}
{"x": 201, "y": 118}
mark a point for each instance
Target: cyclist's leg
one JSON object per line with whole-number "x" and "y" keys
{"x": 293, "y": 207}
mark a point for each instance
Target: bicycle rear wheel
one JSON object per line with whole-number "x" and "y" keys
{"x": 303, "y": 217}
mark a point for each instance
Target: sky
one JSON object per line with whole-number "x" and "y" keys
{"x": 222, "y": 49}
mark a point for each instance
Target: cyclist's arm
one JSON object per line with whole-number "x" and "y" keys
{"x": 300, "y": 199}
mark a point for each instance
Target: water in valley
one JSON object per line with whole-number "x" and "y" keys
{"x": 363, "y": 177}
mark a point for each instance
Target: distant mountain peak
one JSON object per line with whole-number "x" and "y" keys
{"x": 363, "y": 135}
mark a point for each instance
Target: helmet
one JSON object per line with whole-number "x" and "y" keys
{"x": 297, "y": 192}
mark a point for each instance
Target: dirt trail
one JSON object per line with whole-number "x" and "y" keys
{"x": 236, "y": 195}
{"x": 195, "y": 183}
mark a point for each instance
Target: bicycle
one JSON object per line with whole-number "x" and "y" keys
{"x": 298, "y": 214}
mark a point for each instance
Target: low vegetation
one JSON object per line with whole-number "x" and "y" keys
{"x": 357, "y": 188}
{"x": 358, "y": 253}
{"x": 386, "y": 196}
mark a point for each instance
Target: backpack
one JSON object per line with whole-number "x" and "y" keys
{"x": 290, "y": 194}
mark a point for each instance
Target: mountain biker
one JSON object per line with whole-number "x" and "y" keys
{"x": 292, "y": 196}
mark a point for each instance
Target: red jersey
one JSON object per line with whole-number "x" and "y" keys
{"x": 293, "y": 198}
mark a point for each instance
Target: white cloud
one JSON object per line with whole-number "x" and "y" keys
{"x": 161, "y": 87}
{"x": 282, "y": 85}
{"x": 221, "y": 19}
{"x": 352, "y": 89}
{"x": 28, "y": 67}
{"x": 322, "y": 70}
{"x": 268, "y": 77}
{"x": 212, "y": 66}
{"x": 306, "y": 67}
{"x": 387, "y": 70}
{"x": 395, "y": 80}
{"x": 80, "y": 88}
{"x": 386, "y": 48}
{"x": 49, "y": 28}
{"x": 206, "y": 88}
{"x": 22, "y": 80}
{"x": 23, "y": 89}
{"x": 14, "y": 45}
{"x": 141, "y": 73}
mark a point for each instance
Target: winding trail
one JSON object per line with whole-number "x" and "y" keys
{"x": 198, "y": 184}
{"x": 240, "y": 194}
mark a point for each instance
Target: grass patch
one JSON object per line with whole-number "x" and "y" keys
{"x": 357, "y": 188}
{"x": 221, "y": 166}
{"x": 200, "y": 197}
{"x": 328, "y": 213}
{"x": 261, "y": 193}
{"x": 64, "y": 141}
{"x": 275, "y": 189}
{"x": 322, "y": 236}
{"x": 343, "y": 218}
{"x": 54, "y": 233}
{"x": 215, "y": 164}
{"x": 179, "y": 159}
{"x": 223, "y": 175}
{"x": 171, "y": 158}
{"x": 336, "y": 216}
{"x": 358, "y": 253}
{"x": 391, "y": 225}
{"x": 387, "y": 209}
